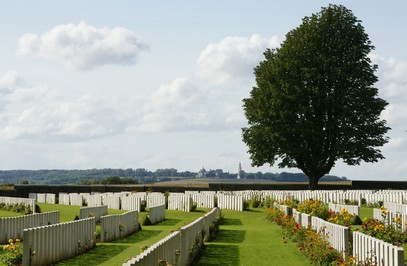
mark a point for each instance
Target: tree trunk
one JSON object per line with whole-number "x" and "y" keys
{"x": 313, "y": 182}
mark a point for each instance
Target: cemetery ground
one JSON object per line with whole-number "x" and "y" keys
{"x": 244, "y": 238}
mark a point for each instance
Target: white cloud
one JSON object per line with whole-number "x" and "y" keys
{"x": 233, "y": 57}
{"x": 392, "y": 87}
{"x": 39, "y": 112}
{"x": 81, "y": 46}
{"x": 8, "y": 81}
{"x": 211, "y": 97}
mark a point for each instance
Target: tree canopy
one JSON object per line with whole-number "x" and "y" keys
{"x": 314, "y": 101}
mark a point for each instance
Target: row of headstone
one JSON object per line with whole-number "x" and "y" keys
{"x": 112, "y": 201}
{"x": 395, "y": 207}
{"x": 13, "y": 227}
{"x": 157, "y": 214}
{"x": 203, "y": 200}
{"x": 325, "y": 196}
{"x": 175, "y": 248}
{"x": 376, "y": 252}
{"x": 191, "y": 234}
{"x": 337, "y": 235}
{"x": 47, "y": 245}
{"x": 394, "y": 219}
{"x": 365, "y": 248}
{"x": 230, "y": 202}
{"x": 118, "y": 226}
{"x": 179, "y": 202}
{"x": 155, "y": 199}
{"x": 43, "y": 197}
{"x": 352, "y": 209}
{"x": 24, "y": 201}
{"x": 131, "y": 203}
{"x": 97, "y": 212}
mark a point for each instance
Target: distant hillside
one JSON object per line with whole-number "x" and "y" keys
{"x": 141, "y": 175}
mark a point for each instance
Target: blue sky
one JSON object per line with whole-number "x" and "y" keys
{"x": 103, "y": 84}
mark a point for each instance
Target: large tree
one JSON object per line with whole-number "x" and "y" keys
{"x": 314, "y": 101}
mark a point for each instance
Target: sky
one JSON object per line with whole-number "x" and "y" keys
{"x": 159, "y": 84}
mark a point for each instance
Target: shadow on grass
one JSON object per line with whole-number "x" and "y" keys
{"x": 253, "y": 210}
{"x": 140, "y": 236}
{"x": 230, "y": 236}
{"x": 229, "y": 221}
{"x": 170, "y": 222}
{"x": 220, "y": 255}
{"x": 96, "y": 256}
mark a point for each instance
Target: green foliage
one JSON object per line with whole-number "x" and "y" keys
{"x": 246, "y": 205}
{"x": 166, "y": 194}
{"x": 314, "y": 208}
{"x": 357, "y": 220}
{"x": 196, "y": 250}
{"x": 314, "y": 100}
{"x": 267, "y": 202}
{"x": 17, "y": 207}
{"x": 116, "y": 180}
{"x": 313, "y": 245}
{"x": 193, "y": 207}
{"x": 214, "y": 228}
{"x": 145, "y": 220}
{"x": 37, "y": 208}
{"x": 343, "y": 218}
{"x": 12, "y": 253}
{"x": 143, "y": 206}
{"x": 391, "y": 233}
{"x": 351, "y": 202}
{"x": 318, "y": 250}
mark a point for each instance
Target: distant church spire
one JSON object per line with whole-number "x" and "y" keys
{"x": 239, "y": 171}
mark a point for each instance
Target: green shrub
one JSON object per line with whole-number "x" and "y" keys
{"x": 97, "y": 234}
{"x": 12, "y": 253}
{"x": 193, "y": 207}
{"x": 357, "y": 220}
{"x": 143, "y": 206}
{"x": 214, "y": 228}
{"x": 146, "y": 220}
{"x": 267, "y": 202}
{"x": 314, "y": 208}
{"x": 246, "y": 205}
{"x": 351, "y": 202}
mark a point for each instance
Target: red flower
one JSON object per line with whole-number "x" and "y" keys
{"x": 297, "y": 225}
{"x": 331, "y": 248}
{"x": 341, "y": 261}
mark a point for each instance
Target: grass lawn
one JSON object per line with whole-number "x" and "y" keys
{"x": 247, "y": 238}
{"x": 365, "y": 212}
{"x": 4, "y": 213}
{"x": 67, "y": 212}
{"x": 118, "y": 252}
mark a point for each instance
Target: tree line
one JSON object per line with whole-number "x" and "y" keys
{"x": 134, "y": 176}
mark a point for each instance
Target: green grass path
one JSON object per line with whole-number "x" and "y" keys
{"x": 247, "y": 238}
{"x": 117, "y": 252}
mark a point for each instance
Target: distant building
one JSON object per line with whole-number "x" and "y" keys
{"x": 202, "y": 173}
